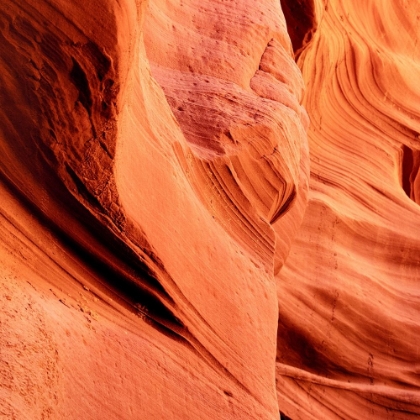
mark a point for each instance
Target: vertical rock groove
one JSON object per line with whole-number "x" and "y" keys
{"x": 301, "y": 22}
{"x": 410, "y": 174}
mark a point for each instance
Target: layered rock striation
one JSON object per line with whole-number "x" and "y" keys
{"x": 169, "y": 247}
{"x": 138, "y": 243}
{"x": 348, "y": 294}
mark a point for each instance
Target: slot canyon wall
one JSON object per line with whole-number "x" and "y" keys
{"x": 209, "y": 209}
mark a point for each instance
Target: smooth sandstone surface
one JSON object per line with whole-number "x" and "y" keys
{"x": 193, "y": 226}
{"x": 348, "y": 294}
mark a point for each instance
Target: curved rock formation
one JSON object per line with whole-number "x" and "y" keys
{"x": 349, "y": 316}
{"x": 138, "y": 246}
{"x": 163, "y": 253}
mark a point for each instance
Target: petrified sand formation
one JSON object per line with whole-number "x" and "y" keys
{"x": 161, "y": 254}
{"x": 349, "y": 316}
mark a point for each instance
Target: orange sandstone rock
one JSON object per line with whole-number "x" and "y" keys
{"x": 163, "y": 251}
{"x": 141, "y": 234}
{"x": 348, "y": 294}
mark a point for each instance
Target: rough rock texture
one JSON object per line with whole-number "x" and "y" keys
{"x": 165, "y": 251}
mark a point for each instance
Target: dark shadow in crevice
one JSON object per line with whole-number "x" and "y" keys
{"x": 121, "y": 274}
{"x": 301, "y": 22}
{"x": 410, "y": 173}
{"x": 80, "y": 80}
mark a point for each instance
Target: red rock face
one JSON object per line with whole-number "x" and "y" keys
{"x": 165, "y": 250}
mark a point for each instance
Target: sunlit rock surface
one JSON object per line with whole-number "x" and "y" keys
{"x": 193, "y": 228}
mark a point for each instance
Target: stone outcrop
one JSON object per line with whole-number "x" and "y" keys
{"x": 193, "y": 226}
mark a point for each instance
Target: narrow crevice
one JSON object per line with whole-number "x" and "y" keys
{"x": 79, "y": 79}
{"x": 301, "y": 22}
{"x": 410, "y": 173}
{"x": 122, "y": 273}
{"x": 82, "y": 190}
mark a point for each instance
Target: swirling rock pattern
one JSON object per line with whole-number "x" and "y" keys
{"x": 349, "y": 297}
{"x": 138, "y": 243}
{"x": 165, "y": 250}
